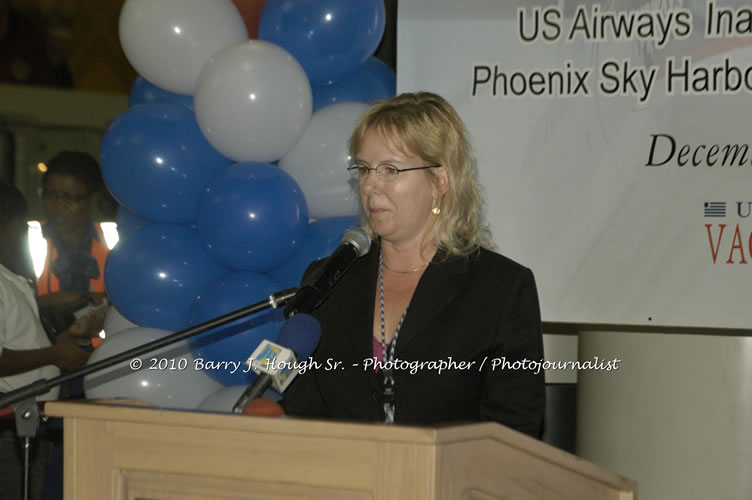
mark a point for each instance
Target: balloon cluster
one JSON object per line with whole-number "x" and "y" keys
{"x": 229, "y": 168}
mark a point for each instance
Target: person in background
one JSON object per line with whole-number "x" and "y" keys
{"x": 430, "y": 290}
{"x": 73, "y": 274}
{"x": 26, "y": 353}
{"x": 76, "y": 249}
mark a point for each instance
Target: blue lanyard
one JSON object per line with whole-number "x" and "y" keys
{"x": 388, "y": 355}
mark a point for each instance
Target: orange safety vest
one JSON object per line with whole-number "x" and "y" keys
{"x": 48, "y": 282}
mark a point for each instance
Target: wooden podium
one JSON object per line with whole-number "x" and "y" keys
{"x": 131, "y": 453}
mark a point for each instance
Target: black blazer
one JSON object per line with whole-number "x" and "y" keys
{"x": 474, "y": 309}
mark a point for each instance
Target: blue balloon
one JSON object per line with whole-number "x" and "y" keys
{"x": 156, "y": 162}
{"x": 237, "y": 340}
{"x": 330, "y": 38}
{"x": 321, "y": 238}
{"x": 128, "y": 222}
{"x": 373, "y": 82}
{"x": 154, "y": 276}
{"x": 252, "y": 217}
{"x": 144, "y": 92}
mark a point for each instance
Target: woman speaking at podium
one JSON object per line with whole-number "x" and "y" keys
{"x": 432, "y": 325}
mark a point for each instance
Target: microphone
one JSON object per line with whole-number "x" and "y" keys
{"x": 355, "y": 244}
{"x": 275, "y": 363}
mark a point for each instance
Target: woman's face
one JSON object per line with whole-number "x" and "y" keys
{"x": 66, "y": 201}
{"x": 399, "y": 211}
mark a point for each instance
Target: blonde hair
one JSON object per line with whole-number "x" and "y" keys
{"x": 424, "y": 124}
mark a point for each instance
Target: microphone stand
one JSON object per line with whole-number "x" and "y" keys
{"x": 27, "y": 413}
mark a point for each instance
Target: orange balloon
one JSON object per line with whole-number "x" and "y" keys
{"x": 250, "y": 11}
{"x": 263, "y": 407}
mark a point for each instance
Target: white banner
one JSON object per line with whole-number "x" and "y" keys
{"x": 613, "y": 143}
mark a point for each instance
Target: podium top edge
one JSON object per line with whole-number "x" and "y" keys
{"x": 137, "y": 412}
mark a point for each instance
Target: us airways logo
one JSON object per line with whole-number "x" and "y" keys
{"x": 732, "y": 235}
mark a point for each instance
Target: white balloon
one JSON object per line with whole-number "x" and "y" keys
{"x": 224, "y": 399}
{"x": 115, "y": 322}
{"x": 253, "y": 101}
{"x": 166, "y": 378}
{"x": 319, "y": 160}
{"x": 169, "y": 41}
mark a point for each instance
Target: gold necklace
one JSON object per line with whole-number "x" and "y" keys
{"x": 419, "y": 268}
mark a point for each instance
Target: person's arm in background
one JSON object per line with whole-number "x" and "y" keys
{"x": 56, "y": 318}
{"x": 66, "y": 354}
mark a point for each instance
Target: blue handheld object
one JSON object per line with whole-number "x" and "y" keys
{"x": 301, "y": 333}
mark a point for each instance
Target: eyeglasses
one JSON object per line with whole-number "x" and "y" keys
{"x": 66, "y": 198}
{"x": 385, "y": 171}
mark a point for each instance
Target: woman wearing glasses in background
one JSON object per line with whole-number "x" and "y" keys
{"x": 73, "y": 273}
{"x": 76, "y": 250}
{"x": 431, "y": 296}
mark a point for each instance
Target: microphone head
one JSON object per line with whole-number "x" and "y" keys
{"x": 359, "y": 239}
{"x": 301, "y": 333}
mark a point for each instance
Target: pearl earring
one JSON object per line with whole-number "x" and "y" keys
{"x": 436, "y": 210}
